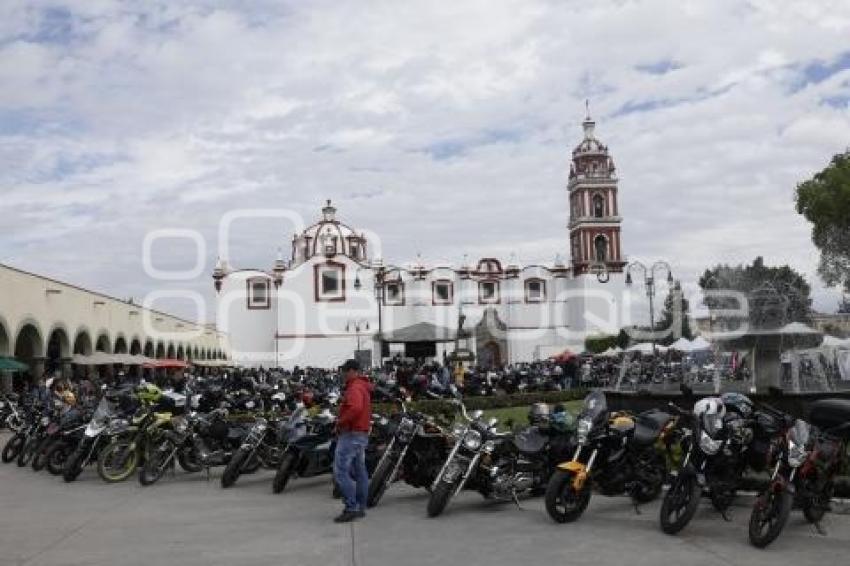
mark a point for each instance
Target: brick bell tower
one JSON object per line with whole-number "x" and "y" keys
{"x": 594, "y": 214}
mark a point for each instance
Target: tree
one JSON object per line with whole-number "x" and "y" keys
{"x": 777, "y": 293}
{"x": 675, "y": 319}
{"x": 623, "y": 339}
{"x": 598, "y": 344}
{"x": 824, "y": 200}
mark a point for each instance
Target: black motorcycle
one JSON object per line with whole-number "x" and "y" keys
{"x": 260, "y": 447}
{"x": 714, "y": 444}
{"x": 309, "y": 448}
{"x": 475, "y": 440}
{"x": 415, "y": 453}
{"x": 616, "y": 453}
{"x": 98, "y": 433}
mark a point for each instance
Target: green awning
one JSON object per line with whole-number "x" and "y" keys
{"x": 11, "y": 364}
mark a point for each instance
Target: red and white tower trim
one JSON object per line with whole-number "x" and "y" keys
{"x": 594, "y": 214}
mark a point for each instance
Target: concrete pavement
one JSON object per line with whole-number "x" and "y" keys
{"x": 189, "y": 521}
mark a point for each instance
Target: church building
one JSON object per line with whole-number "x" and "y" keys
{"x": 332, "y": 300}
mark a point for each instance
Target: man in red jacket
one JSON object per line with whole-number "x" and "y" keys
{"x": 353, "y": 422}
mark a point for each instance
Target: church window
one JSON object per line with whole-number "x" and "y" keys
{"x": 259, "y": 296}
{"x": 488, "y": 292}
{"x": 598, "y": 206}
{"x": 535, "y": 290}
{"x": 600, "y": 244}
{"x": 441, "y": 292}
{"x": 329, "y": 282}
{"x": 394, "y": 294}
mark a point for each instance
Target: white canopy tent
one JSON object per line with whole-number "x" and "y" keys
{"x": 646, "y": 348}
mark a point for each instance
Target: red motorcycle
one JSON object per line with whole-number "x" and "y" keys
{"x": 806, "y": 464}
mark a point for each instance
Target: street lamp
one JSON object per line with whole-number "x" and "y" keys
{"x": 382, "y": 275}
{"x": 649, "y": 283}
{"x": 359, "y": 325}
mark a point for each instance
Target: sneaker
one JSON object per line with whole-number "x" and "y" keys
{"x": 360, "y": 514}
{"x": 347, "y": 516}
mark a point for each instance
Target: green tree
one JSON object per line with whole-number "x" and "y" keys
{"x": 786, "y": 291}
{"x": 824, "y": 200}
{"x": 675, "y": 319}
{"x": 623, "y": 339}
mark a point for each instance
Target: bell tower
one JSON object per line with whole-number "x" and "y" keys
{"x": 594, "y": 213}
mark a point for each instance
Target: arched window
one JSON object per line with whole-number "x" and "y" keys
{"x": 598, "y": 206}
{"x": 600, "y": 244}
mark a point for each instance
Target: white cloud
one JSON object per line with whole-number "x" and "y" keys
{"x": 446, "y": 128}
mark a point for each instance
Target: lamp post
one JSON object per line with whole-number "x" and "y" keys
{"x": 649, "y": 283}
{"x": 359, "y": 324}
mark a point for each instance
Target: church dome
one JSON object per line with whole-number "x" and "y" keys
{"x": 329, "y": 237}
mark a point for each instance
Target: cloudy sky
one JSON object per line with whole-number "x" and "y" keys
{"x": 445, "y": 127}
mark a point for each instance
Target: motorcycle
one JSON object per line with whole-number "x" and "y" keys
{"x": 806, "y": 465}
{"x": 261, "y": 447}
{"x": 309, "y": 447}
{"x": 17, "y": 421}
{"x": 415, "y": 452}
{"x": 103, "y": 426}
{"x": 72, "y": 426}
{"x": 474, "y": 439}
{"x": 616, "y": 453}
{"x": 714, "y": 446}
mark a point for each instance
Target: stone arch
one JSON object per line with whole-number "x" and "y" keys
{"x": 103, "y": 344}
{"x": 208, "y": 355}
{"x": 5, "y": 339}
{"x": 135, "y": 346}
{"x": 181, "y": 352}
{"x": 170, "y": 352}
{"x": 600, "y": 248}
{"x": 120, "y": 346}
{"x": 195, "y": 353}
{"x": 150, "y": 349}
{"x": 29, "y": 346}
{"x": 82, "y": 342}
{"x": 58, "y": 349}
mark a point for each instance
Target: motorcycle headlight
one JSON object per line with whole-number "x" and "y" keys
{"x": 583, "y": 430}
{"x": 708, "y": 444}
{"x": 796, "y": 454}
{"x": 472, "y": 440}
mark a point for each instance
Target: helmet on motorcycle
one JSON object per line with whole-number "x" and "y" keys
{"x": 738, "y": 403}
{"x": 148, "y": 393}
{"x": 539, "y": 414}
{"x": 710, "y": 406}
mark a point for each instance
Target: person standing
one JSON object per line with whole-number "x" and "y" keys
{"x": 353, "y": 422}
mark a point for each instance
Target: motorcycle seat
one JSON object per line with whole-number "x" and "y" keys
{"x": 648, "y": 426}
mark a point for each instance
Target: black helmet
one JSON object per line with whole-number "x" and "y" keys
{"x": 539, "y": 414}
{"x": 738, "y": 403}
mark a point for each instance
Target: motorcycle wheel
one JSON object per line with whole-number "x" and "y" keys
{"x": 379, "y": 482}
{"x": 27, "y": 452}
{"x": 440, "y": 498}
{"x": 117, "y": 462}
{"x": 154, "y": 466}
{"x": 13, "y": 448}
{"x": 56, "y": 457}
{"x": 563, "y": 503}
{"x": 233, "y": 469}
{"x": 680, "y": 504}
{"x": 188, "y": 460}
{"x": 770, "y": 513}
{"x": 39, "y": 459}
{"x": 251, "y": 465}
{"x": 281, "y": 478}
{"x": 73, "y": 466}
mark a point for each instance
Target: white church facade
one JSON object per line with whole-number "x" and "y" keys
{"x": 332, "y": 300}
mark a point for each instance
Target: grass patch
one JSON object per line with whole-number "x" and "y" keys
{"x": 518, "y": 416}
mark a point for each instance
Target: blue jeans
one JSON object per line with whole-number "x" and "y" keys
{"x": 350, "y": 469}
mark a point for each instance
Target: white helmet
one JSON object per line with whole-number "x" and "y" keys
{"x": 711, "y": 406}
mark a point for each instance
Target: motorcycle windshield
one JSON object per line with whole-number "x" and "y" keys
{"x": 712, "y": 424}
{"x": 595, "y": 408}
{"x": 103, "y": 411}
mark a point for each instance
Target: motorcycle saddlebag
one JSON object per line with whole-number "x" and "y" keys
{"x": 828, "y": 414}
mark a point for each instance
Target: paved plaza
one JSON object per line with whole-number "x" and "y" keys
{"x": 186, "y": 520}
